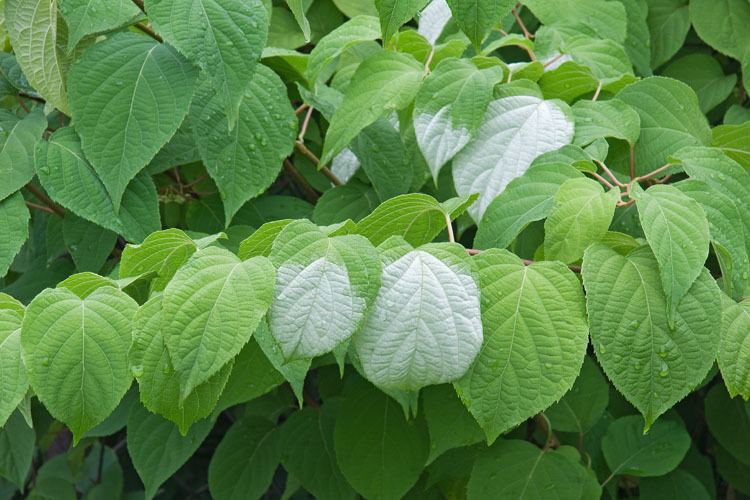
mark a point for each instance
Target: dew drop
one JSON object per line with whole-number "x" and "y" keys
{"x": 45, "y": 361}
{"x": 136, "y": 370}
{"x": 635, "y": 324}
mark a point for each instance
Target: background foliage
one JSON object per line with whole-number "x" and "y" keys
{"x": 374, "y": 248}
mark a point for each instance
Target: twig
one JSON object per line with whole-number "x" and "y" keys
{"x": 600, "y": 179}
{"x": 40, "y": 207}
{"x": 652, "y": 173}
{"x": 609, "y": 173}
{"x": 598, "y": 91}
{"x": 310, "y": 193}
{"x": 449, "y": 226}
{"x": 520, "y": 23}
{"x": 305, "y": 123}
{"x": 153, "y": 34}
{"x": 300, "y": 109}
{"x": 543, "y": 422}
{"x": 553, "y": 60}
{"x": 300, "y": 146}
{"x": 429, "y": 60}
{"x": 632, "y": 161}
{"x": 42, "y": 196}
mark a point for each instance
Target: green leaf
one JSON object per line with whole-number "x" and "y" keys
{"x": 677, "y": 229}
{"x": 383, "y": 158}
{"x": 387, "y": 81}
{"x": 156, "y": 447}
{"x": 527, "y": 198}
{"x": 449, "y": 108}
{"x": 628, "y": 450}
{"x": 252, "y": 376}
{"x": 395, "y": 13}
{"x": 261, "y": 241}
{"x": 38, "y": 41}
{"x": 448, "y": 422}
{"x": 71, "y": 181}
{"x": 293, "y": 371}
{"x": 308, "y": 451}
{"x": 14, "y": 219}
{"x": 313, "y": 273}
{"x": 158, "y": 383}
{"x": 354, "y": 200}
{"x": 15, "y": 383}
{"x": 650, "y": 363}
{"x": 668, "y": 23}
{"x": 224, "y": 38}
{"x": 211, "y": 308}
{"x": 17, "y": 442}
{"x": 162, "y": 252}
{"x": 86, "y": 283}
{"x": 584, "y": 404}
{"x": 581, "y": 216}
{"x": 244, "y": 461}
{"x": 535, "y": 341}
{"x": 733, "y": 140}
{"x": 88, "y": 244}
{"x": 477, "y": 17}
{"x": 118, "y": 137}
{"x": 606, "y": 19}
{"x": 518, "y": 469}
{"x": 723, "y": 24}
{"x": 17, "y": 150}
{"x": 244, "y": 161}
{"x": 76, "y": 353}
{"x": 670, "y": 119}
{"x": 678, "y": 484}
{"x": 595, "y": 119}
{"x": 515, "y": 131}
{"x": 86, "y": 17}
{"x": 361, "y": 28}
{"x": 379, "y": 452}
{"x": 705, "y": 75}
{"x": 638, "y": 39}
{"x": 416, "y": 217}
{"x": 733, "y": 358}
{"x": 433, "y": 335}
{"x": 298, "y": 9}
{"x": 568, "y": 81}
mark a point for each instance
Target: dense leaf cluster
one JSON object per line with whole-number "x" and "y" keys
{"x": 375, "y": 248}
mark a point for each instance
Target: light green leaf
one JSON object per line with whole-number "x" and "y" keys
{"x": 224, "y": 38}
{"x": 298, "y": 9}
{"x": 395, "y": 13}
{"x": 88, "y": 244}
{"x": 568, "y": 81}
{"x": 38, "y": 41}
{"x": 15, "y": 383}
{"x": 582, "y": 214}
{"x": 733, "y": 357}
{"x": 638, "y": 39}
{"x": 158, "y": 383}
{"x": 628, "y": 450}
{"x": 261, "y": 241}
{"x": 244, "y": 461}
{"x": 384, "y": 82}
{"x": 361, "y": 28}
{"x": 535, "y": 341}
{"x": 450, "y": 424}
{"x": 162, "y": 252}
{"x": 156, "y": 447}
{"x": 71, "y": 181}
{"x": 118, "y": 137}
{"x": 416, "y": 217}
{"x": 515, "y": 131}
{"x": 17, "y": 442}
{"x": 313, "y": 273}
{"x": 606, "y": 59}
{"x": 734, "y": 141}
{"x": 477, "y": 17}
{"x": 354, "y": 200}
{"x": 245, "y": 161}
{"x": 86, "y": 283}
{"x": 705, "y": 75}
{"x": 379, "y": 452}
{"x": 17, "y": 151}
{"x": 527, "y": 198}
{"x": 424, "y": 326}
{"x": 85, "y": 17}
{"x": 670, "y": 119}
{"x": 668, "y": 23}
{"x": 606, "y": 19}
{"x": 614, "y": 118}
{"x": 14, "y": 219}
{"x": 211, "y": 308}
{"x": 677, "y": 229}
{"x": 293, "y": 371}
{"x": 677, "y": 485}
{"x": 76, "y": 353}
{"x": 584, "y": 404}
{"x": 723, "y": 24}
{"x": 449, "y": 108}
{"x": 651, "y": 364}
{"x": 308, "y": 452}
{"x": 518, "y": 469}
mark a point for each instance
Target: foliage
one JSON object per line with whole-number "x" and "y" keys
{"x": 375, "y": 248}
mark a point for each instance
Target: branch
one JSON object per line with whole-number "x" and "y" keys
{"x": 310, "y": 193}
{"x": 609, "y": 173}
{"x": 42, "y": 196}
{"x": 653, "y": 173}
{"x": 600, "y": 179}
{"x": 300, "y": 146}
{"x": 305, "y": 123}
{"x": 40, "y": 207}
{"x": 153, "y": 34}
{"x": 520, "y": 22}
{"x": 632, "y": 161}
